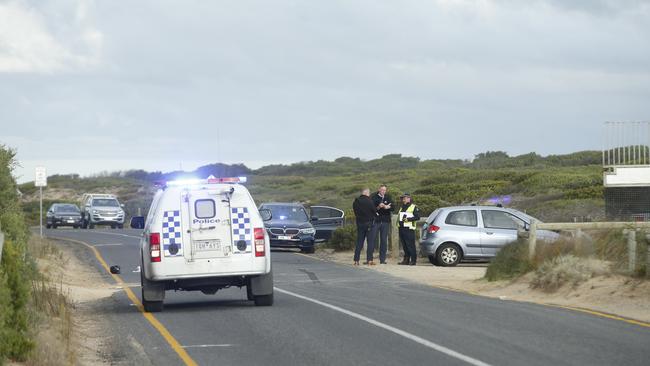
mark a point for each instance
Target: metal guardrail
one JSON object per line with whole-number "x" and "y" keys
{"x": 630, "y": 229}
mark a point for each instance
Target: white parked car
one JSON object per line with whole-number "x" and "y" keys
{"x": 205, "y": 235}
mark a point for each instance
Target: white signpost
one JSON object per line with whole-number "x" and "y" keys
{"x": 40, "y": 181}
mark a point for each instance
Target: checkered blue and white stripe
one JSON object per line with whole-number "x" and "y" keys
{"x": 241, "y": 227}
{"x": 171, "y": 232}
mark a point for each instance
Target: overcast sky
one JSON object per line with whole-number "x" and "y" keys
{"x": 88, "y": 86}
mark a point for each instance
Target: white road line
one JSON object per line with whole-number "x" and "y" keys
{"x": 128, "y": 236}
{"x": 208, "y": 345}
{"x": 407, "y": 335}
{"x": 107, "y": 245}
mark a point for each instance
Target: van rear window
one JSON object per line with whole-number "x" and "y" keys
{"x": 204, "y": 209}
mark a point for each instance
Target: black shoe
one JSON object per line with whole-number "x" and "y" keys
{"x": 412, "y": 264}
{"x": 403, "y": 263}
{"x": 384, "y": 262}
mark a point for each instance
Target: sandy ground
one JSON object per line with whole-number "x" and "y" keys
{"x": 613, "y": 294}
{"x": 84, "y": 287}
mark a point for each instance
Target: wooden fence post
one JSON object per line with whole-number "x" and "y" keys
{"x": 631, "y": 250}
{"x": 2, "y": 242}
{"x": 532, "y": 239}
{"x": 394, "y": 237}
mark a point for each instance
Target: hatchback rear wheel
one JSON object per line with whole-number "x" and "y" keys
{"x": 448, "y": 255}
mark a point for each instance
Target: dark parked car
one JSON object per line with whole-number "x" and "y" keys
{"x": 291, "y": 226}
{"x": 63, "y": 214}
{"x": 325, "y": 220}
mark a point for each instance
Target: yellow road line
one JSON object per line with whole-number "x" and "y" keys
{"x": 152, "y": 319}
{"x": 467, "y": 292}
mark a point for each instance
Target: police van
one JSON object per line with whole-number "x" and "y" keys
{"x": 205, "y": 235}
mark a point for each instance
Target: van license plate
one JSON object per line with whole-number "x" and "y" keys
{"x": 207, "y": 245}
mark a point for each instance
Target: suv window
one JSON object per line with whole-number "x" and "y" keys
{"x": 326, "y": 212}
{"x": 500, "y": 220}
{"x": 65, "y": 208}
{"x": 105, "y": 202}
{"x": 462, "y": 218}
{"x": 289, "y": 213}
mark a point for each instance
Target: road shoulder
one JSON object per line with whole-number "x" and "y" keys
{"x": 617, "y": 295}
{"x": 97, "y": 339}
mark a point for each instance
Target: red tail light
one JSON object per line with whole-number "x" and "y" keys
{"x": 260, "y": 244}
{"x": 154, "y": 247}
{"x": 433, "y": 229}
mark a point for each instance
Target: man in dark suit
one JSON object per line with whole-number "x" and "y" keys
{"x": 365, "y": 213}
{"x": 384, "y": 205}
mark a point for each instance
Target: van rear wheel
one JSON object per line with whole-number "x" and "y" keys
{"x": 152, "y": 306}
{"x": 147, "y": 290}
{"x": 264, "y": 300}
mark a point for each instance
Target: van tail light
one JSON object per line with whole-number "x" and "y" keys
{"x": 260, "y": 244}
{"x": 154, "y": 247}
{"x": 433, "y": 229}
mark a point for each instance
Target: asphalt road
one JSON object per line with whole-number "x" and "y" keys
{"x": 329, "y": 314}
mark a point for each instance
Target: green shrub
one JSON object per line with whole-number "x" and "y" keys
{"x": 511, "y": 262}
{"x": 16, "y": 268}
{"x": 343, "y": 238}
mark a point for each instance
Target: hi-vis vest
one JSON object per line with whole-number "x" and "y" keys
{"x": 408, "y": 224}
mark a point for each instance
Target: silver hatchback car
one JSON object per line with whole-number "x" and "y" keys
{"x": 452, "y": 234}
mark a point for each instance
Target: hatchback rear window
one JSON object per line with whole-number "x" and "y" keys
{"x": 462, "y": 218}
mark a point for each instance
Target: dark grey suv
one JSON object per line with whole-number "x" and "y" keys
{"x": 63, "y": 214}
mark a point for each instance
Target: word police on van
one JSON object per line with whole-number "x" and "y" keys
{"x": 205, "y": 235}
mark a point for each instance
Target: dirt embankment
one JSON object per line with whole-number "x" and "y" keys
{"x": 89, "y": 338}
{"x": 612, "y": 294}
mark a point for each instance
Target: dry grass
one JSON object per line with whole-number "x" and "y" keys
{"x": 565, "y": 269}
{"x": 51, "y": 307}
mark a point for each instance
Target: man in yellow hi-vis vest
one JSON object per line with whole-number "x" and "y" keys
{"x": 407, "y": 219}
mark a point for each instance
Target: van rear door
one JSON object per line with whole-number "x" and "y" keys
{"x": 208, "y": 215}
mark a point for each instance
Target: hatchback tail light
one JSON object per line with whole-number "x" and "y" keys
{"x": 433, "y": 229}
{"x": 260, "y": 244}
{"x": 154, "y": 247}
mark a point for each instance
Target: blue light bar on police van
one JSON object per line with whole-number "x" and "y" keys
{"x": 210, "y": 180}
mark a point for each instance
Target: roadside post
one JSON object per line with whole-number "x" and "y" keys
{"x": 631, "y": 249}
{"x": 394, "y": 237}
{"x": 40, "y": 181}
{"x": 2, "y": 242}
{"x": 532, "y": 239}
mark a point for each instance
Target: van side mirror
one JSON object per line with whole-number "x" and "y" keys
{"x": 137, "y": 222}
{"x": 266, "y": 214}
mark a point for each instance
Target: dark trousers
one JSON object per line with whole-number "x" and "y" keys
{"x": 407, "y": 238}
{"x": 363, "y": 233}
{"x": 380, "y": 234}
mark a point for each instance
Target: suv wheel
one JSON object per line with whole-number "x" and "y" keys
{"x": 309, "y": 250}
{"x": 448, "y": 255}
{"x": 47, "y": 226}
